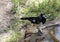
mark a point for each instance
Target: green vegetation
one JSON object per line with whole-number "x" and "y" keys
{"x": 14, "y": 36}
{"x": 30, "y": 8}
{"x": 26, "y": 8}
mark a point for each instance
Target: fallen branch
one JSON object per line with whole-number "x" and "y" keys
{"x": 49, "y": 25}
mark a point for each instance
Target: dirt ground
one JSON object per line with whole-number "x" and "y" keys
{"x": 5, "y": 16}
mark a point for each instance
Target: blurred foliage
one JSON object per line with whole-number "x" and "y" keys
{"x": 30, "y": 8}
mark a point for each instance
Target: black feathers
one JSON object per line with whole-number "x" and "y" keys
{"x": 36, "y": 20}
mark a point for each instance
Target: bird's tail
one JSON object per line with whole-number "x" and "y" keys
{"x": 24, "y": 18}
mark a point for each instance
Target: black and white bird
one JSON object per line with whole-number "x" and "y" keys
{"x": 36, "y": 20}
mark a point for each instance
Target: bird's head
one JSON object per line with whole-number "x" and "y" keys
{"x": 43, "y": 18}
{"x": 42, "y": 15}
